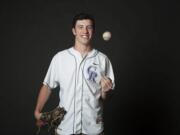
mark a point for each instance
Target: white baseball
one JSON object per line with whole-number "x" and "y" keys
{"x": 106, "y": 35}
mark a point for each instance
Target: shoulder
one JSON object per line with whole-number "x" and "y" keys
{"x": 101, "y": 55}
{"x": 61, "y": 54}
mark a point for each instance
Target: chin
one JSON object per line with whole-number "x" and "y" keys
{"x": 85, "y": 42}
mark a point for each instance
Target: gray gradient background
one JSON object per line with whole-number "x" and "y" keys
{"x": 144, "y": 51}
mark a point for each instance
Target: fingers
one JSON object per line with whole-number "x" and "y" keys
{"x": 37, "y": 115}
{"x": 40, "y": 123}
{"x": 106, "y": 84}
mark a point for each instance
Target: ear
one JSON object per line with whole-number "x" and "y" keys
{"x": 73, "y": 31}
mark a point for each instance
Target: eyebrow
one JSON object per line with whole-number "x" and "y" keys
{"x": 83, "y": 25}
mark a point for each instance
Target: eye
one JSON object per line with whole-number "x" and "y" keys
{"x": 90, "y": 27}
{"x": 80, "y": 26}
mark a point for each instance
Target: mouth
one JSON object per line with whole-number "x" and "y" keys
{"x": 85, "y": 36}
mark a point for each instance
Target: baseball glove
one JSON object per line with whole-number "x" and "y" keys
{"x": 52, "y": 118}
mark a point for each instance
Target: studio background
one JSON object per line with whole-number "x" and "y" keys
{"x": 144, "y": 51}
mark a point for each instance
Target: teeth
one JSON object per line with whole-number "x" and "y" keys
{"x": 85, "y": 36}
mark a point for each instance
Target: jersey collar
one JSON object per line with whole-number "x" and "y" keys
{"x": 92, "y": 53}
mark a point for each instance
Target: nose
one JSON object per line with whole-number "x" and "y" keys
{"x": 85, "y": 30}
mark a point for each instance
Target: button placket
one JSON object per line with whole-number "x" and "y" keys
{"x": 79, "y": 90}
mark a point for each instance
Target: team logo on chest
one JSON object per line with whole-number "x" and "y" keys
{"x": 92, "y": 73}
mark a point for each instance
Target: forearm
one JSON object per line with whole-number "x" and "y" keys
{"x": 42, "y": 99}
{"x": 103, "y": 95}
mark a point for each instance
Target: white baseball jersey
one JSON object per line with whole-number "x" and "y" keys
{"x": 80, "y": 89}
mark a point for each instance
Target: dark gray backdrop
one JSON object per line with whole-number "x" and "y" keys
{"x": 144, "y": 52}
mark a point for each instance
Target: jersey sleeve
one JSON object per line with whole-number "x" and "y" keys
{"x": 51, "y": 79}
{"x": 109, "y": 72}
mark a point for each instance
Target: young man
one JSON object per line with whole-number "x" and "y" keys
{"x": 84, "y": 75}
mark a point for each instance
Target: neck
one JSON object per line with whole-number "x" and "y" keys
{"x": 83, "y": 49}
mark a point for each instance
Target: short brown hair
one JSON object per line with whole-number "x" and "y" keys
{"x": 82, "y": 16}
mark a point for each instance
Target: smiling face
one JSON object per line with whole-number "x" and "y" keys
{"x": 83, "y": 31}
